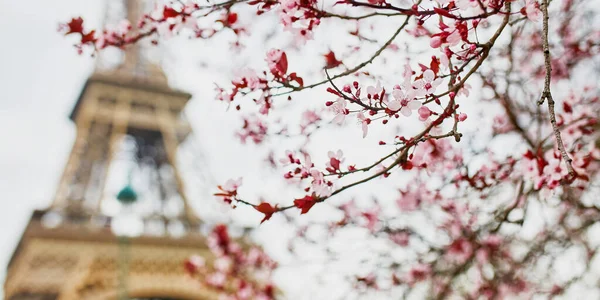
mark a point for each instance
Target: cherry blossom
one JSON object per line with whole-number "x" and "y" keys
{"x": 321, "y": 186}
{"x": 374, "y": 92}
{"x": 339, "y": 107}
{"x": 277, "y": 61}
{"x": 364, "y": 122}
{"x": 229, "y": 190}
{"x": 404, "y": 102}
{"x": 372, "y": 218}
{"x": 253, "y": 128}
{"x": 335, "y": 160}
{"x": 428, "y": 84}
{"x": 418, "y": 273}
{"x": 532, "y": 10}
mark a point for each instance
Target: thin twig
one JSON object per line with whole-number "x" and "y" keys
{"x": 547, "y": 95}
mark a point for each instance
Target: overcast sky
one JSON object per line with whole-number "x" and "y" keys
{"x": 40, "y": 79}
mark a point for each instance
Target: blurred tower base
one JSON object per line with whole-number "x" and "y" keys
{"x": 74, "y": 261}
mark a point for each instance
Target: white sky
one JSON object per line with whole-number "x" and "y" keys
{"x": 40, "y": 79}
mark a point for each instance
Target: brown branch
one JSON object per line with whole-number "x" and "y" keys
{"x": 547, "y": 95}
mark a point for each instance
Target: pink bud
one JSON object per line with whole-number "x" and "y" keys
{"x": 424, "y": 113}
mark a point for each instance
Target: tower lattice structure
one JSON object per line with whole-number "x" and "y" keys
{"x": 129, "y": 123}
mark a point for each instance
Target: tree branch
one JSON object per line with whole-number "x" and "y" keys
{"x": 547, "y": 95}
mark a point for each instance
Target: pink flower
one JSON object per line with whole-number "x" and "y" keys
{"x": 305, "y": 170}
{"x": 228, "y": 191}
{"x": 372, "y": 218}
{"x": 223, "y": 264}
{"x": 374, "y": 92}
{"x": 349, "y": 208}
{"x": 339, "y": 107}
{"x": 289, "y": 158}
{"x": 435, "y": 42}
{"x": 247, "y": 78}
{"x": 424, "y": 113}
{"x": 554, "y": 170}
{"x": 532, "y": 10}
{"x": 468, "y": 4}
{"x": 264, "y": 103}
{"x": 320, "y": 186}
{"x": 427, "y": 84}
{"x": 464, "y": 90}
{"x": 406, "y": 76}
{"x": 277, "y": 61}
{"x": 400, "y": 238}
{"x": 335, "y": 160}
{"x": 404, "y": 102}
{"x": 194, "y": 263}
{"x": 302, "y": 35}
{"x": 309, "y": 117}
{"x": 460, "y": 250}
{"x": 449, "y": 35}
{"x": 232, "y": 185}
{"x": 364, "y": 121}
{"x": 289, "y": 6}
{"x": 216, "y": 279}
{"x": 501, "y": 124}
{"x": 418, "y": 273}
{"x": 253, "y": 128}
{"x": 408, "y": 201}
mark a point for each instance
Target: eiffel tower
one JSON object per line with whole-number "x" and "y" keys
{"x": 120, "y": 225}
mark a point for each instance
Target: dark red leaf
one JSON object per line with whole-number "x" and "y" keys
{"x": 86, "y": 38}
{"x": 435, "y": 65}
{"x": 266, "y": 209}
{"x": 297, "y": 79}
{"x": 306, "y": 203}
{"x": 334, "y": 162}
{"x": 169, "y": 13}
{"x": 443, "y": 12}
{"x": 331, "y": 61}
{"x": 282, "y": 64}
{"x": 75, "y": 26}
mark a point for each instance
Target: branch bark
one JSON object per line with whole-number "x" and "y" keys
{"x": 547, "y": 95}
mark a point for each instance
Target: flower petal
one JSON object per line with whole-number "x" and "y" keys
{"x": 406, "y": 111}
{"x": 428, "y": 75}
{"x": 398, "y": 94}
{"x": 394, "y": 105}
{"x": 419, "y": 84}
